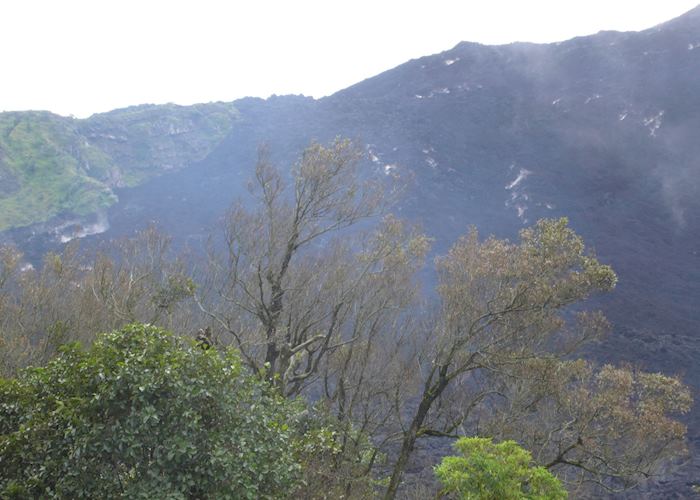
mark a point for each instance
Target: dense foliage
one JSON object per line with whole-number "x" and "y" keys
{"x": 503, "y": 471}
{"x": 143, "y": 414}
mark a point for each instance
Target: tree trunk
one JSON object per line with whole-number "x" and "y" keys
{"x": 430, "y": 394}
{"x": 409, "y": 440}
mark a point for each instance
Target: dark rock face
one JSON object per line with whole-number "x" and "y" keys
{"x": 603, "y": 129}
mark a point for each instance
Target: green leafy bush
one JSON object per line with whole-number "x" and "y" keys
{"x": 145, "y": 414}
{"x": 488, "y": 471}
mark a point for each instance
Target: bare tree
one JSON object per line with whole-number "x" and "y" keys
{"x": 73, "y": 295}
{"x": 604, "y": 428}
{"x": 293, "y": 282}
{"x": 503, "y": 307}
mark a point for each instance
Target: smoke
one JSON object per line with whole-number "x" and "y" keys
{"x": 678, "y": 171}
{"x": 80, "y": 229}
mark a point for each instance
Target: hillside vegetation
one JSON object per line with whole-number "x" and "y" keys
{"x": 52, "y": 165}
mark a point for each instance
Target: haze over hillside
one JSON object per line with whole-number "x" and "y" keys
{"x": 602, "y": 129}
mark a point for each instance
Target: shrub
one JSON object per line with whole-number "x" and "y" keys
{"x": 144, "y": 414}
{"x": 503, "y": 471}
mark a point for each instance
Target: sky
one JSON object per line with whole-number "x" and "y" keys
{"x": 78, "y": 57}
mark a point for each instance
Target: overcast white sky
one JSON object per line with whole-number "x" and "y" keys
{"x": 85, "y": 56}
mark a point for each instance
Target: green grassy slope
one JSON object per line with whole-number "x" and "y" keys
{"x": 52, "y": 165}
{"x": 48, "y": 168}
